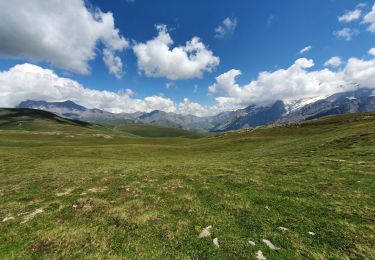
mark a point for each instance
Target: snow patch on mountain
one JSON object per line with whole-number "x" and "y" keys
{"x": 292, "y": 105}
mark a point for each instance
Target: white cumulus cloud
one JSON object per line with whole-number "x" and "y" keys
{"x": 113, "y": 63}
{"x": 27, "y": 81}
{"x": 360, "y": 71}
{"x": 352, "y": 15}
{"x": 372, "y": 51}
{"x": 333, "y": 62}
{"x": 226, "y": 28}
{"x": 157, "y": 57}
{"x": 191, "y": 108}
{"x": 63, "y": 33}
{"x": 370, "y": 20}
{"x": 346, "y": 33}
{"x": 297, "y": 81}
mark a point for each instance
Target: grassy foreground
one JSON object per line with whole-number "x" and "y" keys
{"x": 84, "y": 194}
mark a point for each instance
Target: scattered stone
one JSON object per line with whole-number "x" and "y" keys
{"x": 75, "y": 206}
{"x": 283, "y": 228}
{"x": 83, "y": 193}
{"x": 252, "y": 243}
{"x": 216, "y": 242}
{"x": 64, "y": 193}
{"x": 260, "y": 255}
{"x": 97, "y": 190}
{"x": 32, "y": 215}
{"x": 206, "y": 232}
{"x": 270, "y": 245}
{"x": 103, "y": 135}
{"x": 336, "y": 160}
{"x": 311, "y": 233}
{"x": 7, "y": 219}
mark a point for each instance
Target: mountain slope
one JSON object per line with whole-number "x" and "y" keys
{"x": 253, "y": 116}
{"x": 33, "y": 120}
{"x": 280, "y": 112}
{"x": 43, "y": 121}
{"x": 69, "y": 109}
{"x": 360, "y": 100}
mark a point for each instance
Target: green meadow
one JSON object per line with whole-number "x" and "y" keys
{"x": 70, "y": 190}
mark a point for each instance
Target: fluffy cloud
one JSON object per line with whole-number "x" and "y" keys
{"x": 360, "y": 71}
{"x": 306, "y": 49}
{"x": 292, "y": 83}
{"x": 63, "y": 33}
{"x": 295, "y": 82}
{"x": 333, "y": 62}
{"x": 346, "y": 33}
{"x": 370, "y": 19}
{"x": 372, "y": 51}
{"x": 191, "y": 108}
{"x": 29, "y": 81}
{"x": 157, "y": 58}
{"x": 350, "y": 16}
{"x": 113, "y": 63}
{"x": 226, "y": 28}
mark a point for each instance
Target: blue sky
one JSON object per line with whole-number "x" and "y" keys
{"x": 256, "y": 45}
{"x": 268, "y": 36}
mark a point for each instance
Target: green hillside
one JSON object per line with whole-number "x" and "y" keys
{"x": 39, "y": 120}
{"x": 34, "y": 120}
{"x": 156, "y": 131}
{"x": 308, "y": 188}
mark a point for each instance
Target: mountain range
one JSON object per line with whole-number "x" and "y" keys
{"x": 280, "y": 112}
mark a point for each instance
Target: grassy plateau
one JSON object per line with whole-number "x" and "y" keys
{"x": 70, "y": 190}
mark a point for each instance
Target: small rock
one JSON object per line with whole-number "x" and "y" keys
{"x": 83, "y": 193}
{"x": 75, "y": 206}
{"x": 32, "y": 215}
{"x": 97, "y": 189}
{"x": 252, "y": 243}
{"x": 283, "y": 228}
{"x": 64, "y": 193}
{"x": 311, "y": 233}
{"x": 260, "y": 255}
{"x": 216, "y": 242}
{"x": 7, "y": 219}
{"x": 206, "y": 232}
{"x": 270, "y": 245}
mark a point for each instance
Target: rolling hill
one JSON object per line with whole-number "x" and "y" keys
{"x": 33, "y": 119}
{"x": 40, "y": 120}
